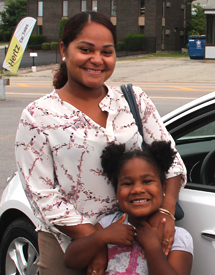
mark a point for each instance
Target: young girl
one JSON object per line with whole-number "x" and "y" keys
{"x": 138, "y": 178}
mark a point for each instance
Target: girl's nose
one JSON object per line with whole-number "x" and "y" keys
{"x": 138, "y": 188}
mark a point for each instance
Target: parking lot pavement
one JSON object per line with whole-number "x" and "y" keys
{"x": 150, "y": 69}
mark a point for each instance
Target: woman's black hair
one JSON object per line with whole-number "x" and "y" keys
{"x": 159, "y": 154}
{"x": 71, "y": 31}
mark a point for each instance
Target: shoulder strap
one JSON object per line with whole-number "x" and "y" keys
{"x": 129, "y": 96}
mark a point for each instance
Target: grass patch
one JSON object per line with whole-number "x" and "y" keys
{"x": 6, "y": 73}
{"x": 168, "y": 54}
{"x": 155, "y": 55}
{"x": 4, "y": 43}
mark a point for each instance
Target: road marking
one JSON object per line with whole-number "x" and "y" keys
{"x": 183, "y": 88}
{"x": 23, "y": 85}
{"x": 7, "y": 137}
{"x": 17, "y": 94}
{"x": 155, "y": 97}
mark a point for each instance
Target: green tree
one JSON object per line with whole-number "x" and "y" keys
{"x": 197, "y": 25}
{"x": 14, "y": 11}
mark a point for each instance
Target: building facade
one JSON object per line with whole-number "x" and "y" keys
{"x": 162, "y": 22}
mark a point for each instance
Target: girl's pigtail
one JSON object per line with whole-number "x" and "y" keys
{"x": 163, "y": 154}
{"x": 110, "y": 159}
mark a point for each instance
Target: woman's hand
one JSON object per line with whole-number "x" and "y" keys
{"x": 167, "y": 237}
{"x": 99, "y": 263}
{"x": 148, "y": 236}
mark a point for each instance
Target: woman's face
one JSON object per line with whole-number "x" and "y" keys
{"x": 90, "y": 58}
{"x": 139, "y": 191}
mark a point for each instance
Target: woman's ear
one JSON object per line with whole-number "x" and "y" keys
{"x": 62, "y": 49}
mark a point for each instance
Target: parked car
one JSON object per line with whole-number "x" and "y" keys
{"x": 193, "y": 128}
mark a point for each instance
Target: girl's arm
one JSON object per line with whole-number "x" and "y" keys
{"x": 81, "y": 251}
{"x": 177, "y": 262}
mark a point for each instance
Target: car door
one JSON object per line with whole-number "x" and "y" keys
{"x": 194, "y": 134}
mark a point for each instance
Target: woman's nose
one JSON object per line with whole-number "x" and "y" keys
{"x": 96, "y": 59}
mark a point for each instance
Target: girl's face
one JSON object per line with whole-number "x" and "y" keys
{"x": 139, "y": 191}
{"x": 90, "y": 58}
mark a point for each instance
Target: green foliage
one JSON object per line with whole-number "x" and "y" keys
{"x": 62, "y": 26}
{"x": 197, "y": 26}
{"x": 134, "y": 42}
{"x": 54, "y": 46}
{"x": 36, "y": 39}
{"x": 14, "y": 11}
{"x": 46, "y": 46}
{"x": 120, "y": 46}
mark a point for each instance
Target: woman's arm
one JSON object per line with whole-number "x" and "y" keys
{"x": 169, "y": 202}
{"x": 177, "y": 263}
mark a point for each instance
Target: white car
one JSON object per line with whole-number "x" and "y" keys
{"x": 193, "y": 128}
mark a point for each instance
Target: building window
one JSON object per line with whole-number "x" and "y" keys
{"x": 40, "y": 30}
{"x": 141, "y": 29}
{"x": 65, "y": 8}
{"x": 83, "y": 5}
{"x": 113, "y": 7}
{"x": 94, "y": 6}
{"x": 40, "y": 9}
{"x": 142, "y": 7}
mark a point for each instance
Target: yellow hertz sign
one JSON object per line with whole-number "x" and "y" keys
{"x": 18, "y": 44}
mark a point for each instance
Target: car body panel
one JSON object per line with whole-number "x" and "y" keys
{"x": 14, "y": 198}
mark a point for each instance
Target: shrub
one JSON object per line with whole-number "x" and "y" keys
{"x": 120, "y": 46}
{"x": 62, "y": 26}
{"x": 54, "y": 46}
{"x": 46, "y": 46}
{"x": 36, "y": 39}
{"x": 134, "y": 42}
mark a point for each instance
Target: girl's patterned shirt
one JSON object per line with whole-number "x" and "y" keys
{"x": 58, "y": 151}
{"x": 127, "y": 260}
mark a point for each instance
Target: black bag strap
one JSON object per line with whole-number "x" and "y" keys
{"x": 129, "y": 96}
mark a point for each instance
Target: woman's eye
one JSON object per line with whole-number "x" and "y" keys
{"x": 85, "y": 50}
{"x": 107, "y": 52}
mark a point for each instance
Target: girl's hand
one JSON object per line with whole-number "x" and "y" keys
{"x": 99, "y": 263}
{"x": 118, "y": 233}
{"x": 168, "y": 233}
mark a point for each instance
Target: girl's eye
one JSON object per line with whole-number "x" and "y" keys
{"x": 127, "y": 183}
{"x": 147, "y": 181}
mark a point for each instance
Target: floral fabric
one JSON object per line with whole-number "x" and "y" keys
{"x": 58, "y": 151}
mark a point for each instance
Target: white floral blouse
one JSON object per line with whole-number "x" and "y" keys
{"x": 58, "y": 151}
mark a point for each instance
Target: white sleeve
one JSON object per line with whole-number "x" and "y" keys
{"x": 183, "y": 240}
{"x": 154, "y": 129}
{"x": 36, "y": 170}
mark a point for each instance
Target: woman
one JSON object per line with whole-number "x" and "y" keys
{"x": 60, "y": 138}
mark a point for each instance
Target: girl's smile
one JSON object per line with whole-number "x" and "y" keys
{"x": 139, "y": 191}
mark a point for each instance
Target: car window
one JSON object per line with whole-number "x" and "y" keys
{"x": 196, "y": 139}
{"x": 206, "y": 130}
